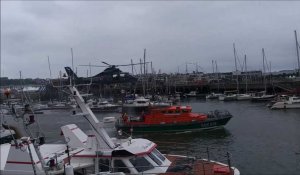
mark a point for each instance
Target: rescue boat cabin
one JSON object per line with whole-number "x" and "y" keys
{"x": 167, "y": 115}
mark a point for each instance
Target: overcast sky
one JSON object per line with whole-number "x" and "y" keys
{"x": 173, "y": 33}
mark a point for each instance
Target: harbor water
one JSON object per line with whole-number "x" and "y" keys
{"x": 260, "y": 140}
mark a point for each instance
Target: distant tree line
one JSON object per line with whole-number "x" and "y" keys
{"x": 4, "y": 81}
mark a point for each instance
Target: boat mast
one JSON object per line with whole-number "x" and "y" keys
{"x": 297, "y": 49}
{"x": 213, "y": 66}
{"x": 217, "y": 71}
{"x": 131, "y": 66}
{"x": 264, "y": 70}
{"x": 144, "y": 89}
{"x": 236, "y": 70}
{"x": 246, "y": 73}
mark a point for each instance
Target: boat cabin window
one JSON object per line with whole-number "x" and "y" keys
{"x": 154, "y": 158}
{"x": 170, "y": 111}
{"x": 185, "y": 110}
{"x": 158, "y": 154}
{"x": 141, "y": 164}
{"x": 119, "y": 166}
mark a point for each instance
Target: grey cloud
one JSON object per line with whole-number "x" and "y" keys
{"x": 172, "y": 32}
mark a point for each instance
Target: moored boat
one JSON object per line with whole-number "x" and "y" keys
{"x": 229, "y": 97}
{"x": 213, "y": 96}
{"x": 263, "y": 98}
{"x": 290, "y": 103}
{"x": 243, "y": 97}
{"x": 103, "y": 106}
{"x": 173, "y": 118}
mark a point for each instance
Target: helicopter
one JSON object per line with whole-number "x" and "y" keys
{"x": 110, "y": 75}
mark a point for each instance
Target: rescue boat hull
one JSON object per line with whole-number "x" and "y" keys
{"x": 174, "y": 127}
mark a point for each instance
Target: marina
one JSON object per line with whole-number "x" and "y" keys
{"x": 255, "y": 132}
{"x": 150, "y": 88}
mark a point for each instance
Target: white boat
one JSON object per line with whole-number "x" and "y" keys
{"x": 263, "y": 97}
{"x": 97, "y": 151}
{"x": 213, "y": 96}
{"x": 229, "y": 97}
{"x": 240, "y": 97}
{"x": 138, "y": 102}
{"x": 103, "y": 106}
{"x": 192, "y": 94}
{"x": 290, "y": 103}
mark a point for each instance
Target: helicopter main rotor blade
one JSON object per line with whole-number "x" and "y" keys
{"x": 105, "y": 63}
{"x": 131, "y": 64}
{"x": 110, "y": 65}
{"x": 93, "y": 65}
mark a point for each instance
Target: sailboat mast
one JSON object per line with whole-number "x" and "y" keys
{"x": 213, "y": 66}
{"x": 246, "y": 73}
{"x": 264, "y": 70}
{"x": 144, "y": 61}
{"x": 297, "y": 49}
{"x": 217, "y": 76}
{"x": 131, "y": 66}
{"x": 236, "y": 70}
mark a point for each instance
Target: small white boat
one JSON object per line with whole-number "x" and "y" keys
{"x": 138, "y": 102}
{"x": 192, "y": 94}
{"x": 290, "y": 103}
{"x": 229, "y": 97}
{"x": 213, "y": 96}
{"x": 103, "y": 106}
{"x": 243, "y": 97}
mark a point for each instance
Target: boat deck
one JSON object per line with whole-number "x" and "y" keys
{"x": 184, "y": 166}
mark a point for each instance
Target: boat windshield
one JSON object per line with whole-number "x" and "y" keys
{"x": 155, "y": 159}
{"x": 158, "y": 154}
{"x": 119, "y": 166}
{"x": 141, "y": 164}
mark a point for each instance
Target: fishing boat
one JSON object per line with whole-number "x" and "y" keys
{"x": 95, "y": 152}
{"x": 173, "y": 118}
{"x": 290, "y": 103}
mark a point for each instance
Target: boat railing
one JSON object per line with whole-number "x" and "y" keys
{"x": 200, "y": 152}
{"x": 187, "y": 166}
